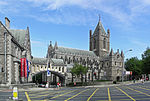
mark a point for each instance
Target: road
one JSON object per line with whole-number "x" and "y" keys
{"x": 133, "y": 92}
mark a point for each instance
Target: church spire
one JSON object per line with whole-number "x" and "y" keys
{"x": 111, "y": 52}
{"x": 50, "y": 43}
{"x": 99, "y": 17}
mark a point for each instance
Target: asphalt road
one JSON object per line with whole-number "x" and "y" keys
{"x": 133, "y": 92}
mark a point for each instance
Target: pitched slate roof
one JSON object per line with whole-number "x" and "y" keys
{"x": 100, "y": 26}
{"x": 76, "y": 51}
{"x": 41, "y": 61}
{"x": 57, "y": 61}
{"x": 19, "y": 35}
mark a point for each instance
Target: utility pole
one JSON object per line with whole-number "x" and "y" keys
{"x": 124, "y": 64}
{"x": 5, "y": 57}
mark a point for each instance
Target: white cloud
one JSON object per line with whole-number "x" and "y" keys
{"x": 37, "y": 42}
{"x": 123, "y": 11}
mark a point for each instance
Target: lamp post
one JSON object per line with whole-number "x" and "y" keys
{"x": 123, "y": 64}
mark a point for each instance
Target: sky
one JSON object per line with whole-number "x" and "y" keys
{"x": 68, "y": 22}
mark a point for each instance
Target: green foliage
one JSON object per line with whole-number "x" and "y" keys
{"x": 146, "y": 61}
{"x": 79, "y": 70}
{"x": 134, "y": 65}
{"x": 137, "y": 66}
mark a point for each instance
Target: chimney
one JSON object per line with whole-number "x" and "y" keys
{"x": 7, "y": 22}
{"x": 90, "y": 33}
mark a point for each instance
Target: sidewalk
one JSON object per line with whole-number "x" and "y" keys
{"x": 120, "y": 83}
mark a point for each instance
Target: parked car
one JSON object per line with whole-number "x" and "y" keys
{"x": 42, "y": 85}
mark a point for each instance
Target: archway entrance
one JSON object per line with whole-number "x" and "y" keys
{"x": 41, "y": 78}
{"x": 118, "y": 78}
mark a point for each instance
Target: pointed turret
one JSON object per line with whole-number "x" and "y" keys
{"x": 50, "y": 44}
{"x": 108, "y": 32}
{"x": 122, "y": 55}
{"x": 90, "y": 43}
{"x": 117, "y": 50}
{"x": 111, "y": 52}
{"x": 56, "y": 47}
{"x": 90, "y": 33}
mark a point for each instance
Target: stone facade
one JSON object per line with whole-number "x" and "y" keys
{"x": 103, "y": 64}
{"x": 14, "y": 45}
{"x": 56, "y": 67}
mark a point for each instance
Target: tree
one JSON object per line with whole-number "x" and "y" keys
{"x": 135, "y": 65}
{"x": 79, "y": 70}
{"x": 146, "y": 61}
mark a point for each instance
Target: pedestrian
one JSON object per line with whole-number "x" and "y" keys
{"x": 58, "y": 85}
{"x": 146, "y": 78}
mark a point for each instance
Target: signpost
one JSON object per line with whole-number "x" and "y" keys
{"x": 48, "y": 73}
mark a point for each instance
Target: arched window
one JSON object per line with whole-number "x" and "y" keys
{"x": 63, "y": 69}
{"x": 104, "y": 43}
{"x": 61, "y": 57}
{"x": 69, "y": 60}
{"x": 59, "y": 68}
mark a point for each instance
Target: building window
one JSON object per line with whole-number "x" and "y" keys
{"x": 63, "y": 69}
{"x": 115, "y": 63}
{"x": 107, "y": 64}
{"x": 59, "y": 68}
{"x": 94, "y": 43}
{"x": 1, "y": 69}
{"x": 117, "y": 56}
{"x": 104, "y": 43}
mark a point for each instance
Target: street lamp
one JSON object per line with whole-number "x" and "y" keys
{"x": 123, "y": 64}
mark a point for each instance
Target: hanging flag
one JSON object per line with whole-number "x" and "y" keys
{"x": 25, "y": 68}
{"x": 28, "y": 68}
{"x": 22, "y": 67}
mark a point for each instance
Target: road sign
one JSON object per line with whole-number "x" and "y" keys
{"x": 48, "y": 73}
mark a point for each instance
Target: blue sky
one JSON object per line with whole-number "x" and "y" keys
{"x": 68, "y": 22}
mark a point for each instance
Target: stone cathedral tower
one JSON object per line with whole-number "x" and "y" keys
{"x": 99, "y": 40}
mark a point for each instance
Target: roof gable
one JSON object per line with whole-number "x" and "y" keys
{"x": 19, "y": 35}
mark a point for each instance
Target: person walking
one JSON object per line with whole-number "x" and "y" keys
{"x": 58, "y": 84}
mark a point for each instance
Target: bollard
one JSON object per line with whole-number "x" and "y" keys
{"x": 15, "y": 93}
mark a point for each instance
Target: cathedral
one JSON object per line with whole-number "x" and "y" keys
{"x": 103, "y": 63}
{"x": 17, "y": 65}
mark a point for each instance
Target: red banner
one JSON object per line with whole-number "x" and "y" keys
{"x": 25, "y": 68}
{"x": 22, "y": 67}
